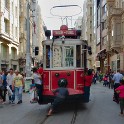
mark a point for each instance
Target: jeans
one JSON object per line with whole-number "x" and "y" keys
{"x": 86, "y": 93}
{"x": 4, "y": 94}
{"x": 12, "y": 98}
{"x": 116, "y": 95}
{"x": 105, "y": 83}
{"x": 57, "y": 101}
{"x": 18, "y": 93}
{"x": 39, "y": 92}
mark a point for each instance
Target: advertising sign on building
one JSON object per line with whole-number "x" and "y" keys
{"x": 97, "y": 63}
{"x": 105, "y": 62}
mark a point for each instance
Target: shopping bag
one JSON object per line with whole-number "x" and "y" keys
{"x": 33, "y": 95}
{"x": 10, "y": 93}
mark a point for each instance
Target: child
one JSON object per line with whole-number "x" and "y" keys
{"x": 120, "y": 91}
{"x": 105, "y": 79}
{"x": 61, "y": 94}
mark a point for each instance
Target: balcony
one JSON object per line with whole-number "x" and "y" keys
{"x": 116, "y": 44}
{"x": 116, "y": 12}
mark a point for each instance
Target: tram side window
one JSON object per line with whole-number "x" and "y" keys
{"x": 69, "y": 56}
{"x": 78, "y": 56}
{"x": 47, "y": 56}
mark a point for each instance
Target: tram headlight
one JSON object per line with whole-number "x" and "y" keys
{"x": 68, "y": 73}
{"x": 57, "y": 74}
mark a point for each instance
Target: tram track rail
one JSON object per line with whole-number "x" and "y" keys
{"x": 44, "y": 120}
{"x": 73, "y": 120}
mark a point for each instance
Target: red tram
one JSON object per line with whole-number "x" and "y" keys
{"x": 64, "y": 58}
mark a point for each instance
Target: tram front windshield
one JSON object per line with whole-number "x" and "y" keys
{"x": 63, "y": 56}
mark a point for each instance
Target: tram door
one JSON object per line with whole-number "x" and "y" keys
{"x": 69, "y": 56}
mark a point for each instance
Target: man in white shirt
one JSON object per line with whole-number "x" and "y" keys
{"x": 10, "y": 78}
{"x": 116, "y": 78}
{"x": 38, "y": 83}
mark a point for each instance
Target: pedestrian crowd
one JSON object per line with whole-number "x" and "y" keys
{"x": 115, "y": 81}
{"x": 11, "y": 83}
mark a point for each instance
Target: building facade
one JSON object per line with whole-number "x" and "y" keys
{"x": 87, "y": 30}
{"x": 9, "y": 34}
{"x": 101, "y": 35}
{"x": 22, "y": 34}
{"x": 38, "y": 35}
{"x": 109, "y": 28}
{"x": 78, "y": 23}
{"x": 115, "y": 24}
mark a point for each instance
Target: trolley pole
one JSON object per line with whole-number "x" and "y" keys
{"x": 28, "y": 55}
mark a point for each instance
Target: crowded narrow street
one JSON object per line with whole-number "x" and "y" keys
{"x": 100, "y": 110}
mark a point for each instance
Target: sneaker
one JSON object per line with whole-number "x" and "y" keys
{"x": 18, "y": 102}
{"x": 12, "y": 102}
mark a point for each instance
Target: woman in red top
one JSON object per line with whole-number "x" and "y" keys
{"x": 87, "y": 83}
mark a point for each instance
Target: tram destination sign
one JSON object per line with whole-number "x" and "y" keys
{"x": 64, "y": 32}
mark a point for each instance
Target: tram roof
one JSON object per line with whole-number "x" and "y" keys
{"x": 66, "y": 42}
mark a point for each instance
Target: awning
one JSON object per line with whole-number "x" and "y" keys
{"x": 102, "y": 54}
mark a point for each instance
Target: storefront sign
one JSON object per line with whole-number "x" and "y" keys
{"x": 105, "y": 62}
{"x": 97, "y": 63}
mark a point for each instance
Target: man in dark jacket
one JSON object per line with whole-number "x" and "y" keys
{"x": 61, "y": 94}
